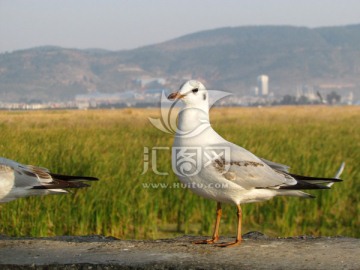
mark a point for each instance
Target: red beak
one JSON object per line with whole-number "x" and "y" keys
{"x": 175, "y": 95}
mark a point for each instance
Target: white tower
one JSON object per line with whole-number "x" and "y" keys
{"x": 263, "y": 84}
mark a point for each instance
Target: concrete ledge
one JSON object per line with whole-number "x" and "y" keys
{"x": 256, "y": 252}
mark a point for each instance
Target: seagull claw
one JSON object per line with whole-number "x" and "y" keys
{"x": 205, "y": 242}
{"x": 229, "y": 244}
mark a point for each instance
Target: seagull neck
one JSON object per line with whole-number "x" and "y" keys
{"x": 191, "y": 118}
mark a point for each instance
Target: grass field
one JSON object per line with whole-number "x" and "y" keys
{"x": 110, "y": 144}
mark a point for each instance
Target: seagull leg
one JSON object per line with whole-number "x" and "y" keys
{"x": 215, "y": 236}
{"x": 238, "y": 236}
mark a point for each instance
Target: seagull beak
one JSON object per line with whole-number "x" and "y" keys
{"x": 175, "y": 95}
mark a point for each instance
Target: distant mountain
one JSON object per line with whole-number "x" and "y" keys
{"x": 226, "y": 58}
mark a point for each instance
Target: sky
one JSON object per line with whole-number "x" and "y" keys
{"x": 127, "y": 24}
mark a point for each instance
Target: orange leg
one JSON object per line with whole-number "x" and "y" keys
{"x": 215, "y": 236}
{"x": 238, "y": 236}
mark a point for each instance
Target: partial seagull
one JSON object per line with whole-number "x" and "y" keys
{"x": 227, "y": 172}
{"x": 18, "y": 180}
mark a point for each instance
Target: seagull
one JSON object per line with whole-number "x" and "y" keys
{"x": 227, "y": 172}
{"x": 19, "y": 180}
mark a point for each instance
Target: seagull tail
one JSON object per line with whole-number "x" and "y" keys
{"x": 294, "y": 193}
{"x": 309, "y": 182}
{"x": 338, "y": 173}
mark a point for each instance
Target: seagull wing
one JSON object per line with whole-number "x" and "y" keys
{"x": 248, "y": 171}
{"x": 276, "y": 166}
{"x": 23, "y": 176}
{"x": 18, "y": 180}
{"x": 33, "y": 177}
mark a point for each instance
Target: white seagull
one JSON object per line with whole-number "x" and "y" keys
{"x": 227, "y": 173}
{"x": 18, "y": 180}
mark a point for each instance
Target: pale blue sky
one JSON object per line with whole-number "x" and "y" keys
{"x": 125, "y": 24}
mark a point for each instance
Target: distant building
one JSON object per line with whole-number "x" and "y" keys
{"x": 309, "y": 93}
{"x": 263, "y": 85}
{"x": 146, "y": 82}
{"x": 349, "y": 99}
{"x": 95, "y": 99}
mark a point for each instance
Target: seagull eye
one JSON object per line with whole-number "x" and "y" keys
{"x": 195, "y": 90}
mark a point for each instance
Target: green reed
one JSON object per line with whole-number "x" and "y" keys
{"x": 110, "y": 144}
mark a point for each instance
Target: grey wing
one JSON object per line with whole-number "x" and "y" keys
{"x": 26, "y": 175}
{"x": 248, "y": 171}
{"x": 276, "y": 166}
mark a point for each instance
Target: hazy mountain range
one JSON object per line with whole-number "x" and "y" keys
{"x": 227, "y": 58}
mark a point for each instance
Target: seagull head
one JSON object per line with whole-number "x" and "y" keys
{"x": 193, "y": 93}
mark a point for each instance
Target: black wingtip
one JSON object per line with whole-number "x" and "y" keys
{"x": 73, "y": 177}
{"x": 311, "y": 178}
{"x": 58, "y": 184}
{"x": 304, "y": 185}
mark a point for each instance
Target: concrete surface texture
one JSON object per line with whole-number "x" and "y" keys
{"x": 256, "y": 252}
